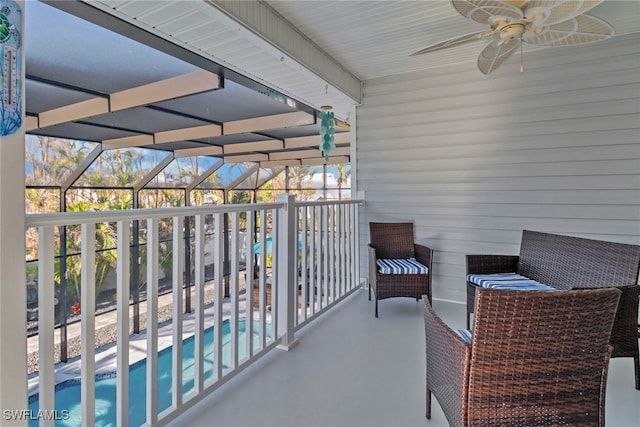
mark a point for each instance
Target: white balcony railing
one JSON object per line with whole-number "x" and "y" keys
{"x": 306, "y": 257}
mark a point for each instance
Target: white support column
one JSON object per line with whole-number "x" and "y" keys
{"x": 287, "y": 289}
{"x": 13, "y": 293}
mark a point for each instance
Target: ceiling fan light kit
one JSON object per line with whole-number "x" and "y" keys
{"x": 537, "y": 22}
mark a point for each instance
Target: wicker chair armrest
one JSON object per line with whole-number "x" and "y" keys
{"x": 448, "y": 362}
{"x": 373, "y": 269}
{"x": 424, "y": 255}
{"x": 372, "y": 253}
{"x": 489, "y": 264}
{"x": 624, "y": 334}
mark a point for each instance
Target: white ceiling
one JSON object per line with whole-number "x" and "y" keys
{"x": 319, "y": 51}
{"x": 376, "y": 38}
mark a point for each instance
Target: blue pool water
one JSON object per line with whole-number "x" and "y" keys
{"x": 67, "y": 395}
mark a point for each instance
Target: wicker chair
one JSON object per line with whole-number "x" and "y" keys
{"x": 567, "y": 262}
{"x": 535, "y": 359}
{"x": 395, "y": 241}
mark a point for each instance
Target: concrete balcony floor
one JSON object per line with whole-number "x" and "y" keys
{"x": 350, "y": 369}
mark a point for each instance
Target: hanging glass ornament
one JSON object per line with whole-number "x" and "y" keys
{"x": 327, "y": 131}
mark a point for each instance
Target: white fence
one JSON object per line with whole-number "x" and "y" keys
{"x": 306, "y": 253}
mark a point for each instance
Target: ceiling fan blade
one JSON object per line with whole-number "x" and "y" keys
{"x": 579, "y": 30}
{"x": 587, "y": 5}
{"x": 482, "y": 11}
{"x": 494, "y": 54}
{"x": 557, "y": 11}
{"x": 456, "y": 41}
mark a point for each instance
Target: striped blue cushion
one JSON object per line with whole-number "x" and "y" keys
{"x": 401, "y": 266}
{"x": 508, "y": 281}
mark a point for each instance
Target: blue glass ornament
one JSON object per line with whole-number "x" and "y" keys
{"x": 327, "y": 132}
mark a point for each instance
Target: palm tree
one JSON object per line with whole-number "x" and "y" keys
{"x": 300, "y": 180}
{"x": 342, "y": 178}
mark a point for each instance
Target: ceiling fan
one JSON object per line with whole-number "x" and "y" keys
{"x": 513, "y": 22}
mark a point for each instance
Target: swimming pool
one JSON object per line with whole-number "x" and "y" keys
{"x": 67, "y": 395}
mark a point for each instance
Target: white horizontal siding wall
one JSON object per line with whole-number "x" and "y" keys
{"x": 474, "y": 159}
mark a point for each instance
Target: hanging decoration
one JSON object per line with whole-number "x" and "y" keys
{"x": 11, "y": 67}
{"x": 327, "y": 131}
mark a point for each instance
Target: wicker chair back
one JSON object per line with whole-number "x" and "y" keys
{"x": 392, "y": 240}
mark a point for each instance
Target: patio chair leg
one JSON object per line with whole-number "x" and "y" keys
{"x": 428, "y": 404}
{"x": 376, "y": 307}
{"x": 369, "y": 291}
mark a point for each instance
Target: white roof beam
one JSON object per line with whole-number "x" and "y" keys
{"x": 79, "y": 110}
{"x": 31, "y": 123}
{"x": 246, "y": 158}
{"x": 127, "y": 141}
{"x": 175, "y": 135}
{"x": 314, "y": 140}
{"x": 196, "y": 132}
{"x": 277, "y": 121}
{"x": 199, "y": 151}
{"x": 274, "y": 163}
{"x": 175, "y": 87}
{"x": 248, "y": 147}
{"x": 322, "y": 161}
{"x": 307, "y": 154}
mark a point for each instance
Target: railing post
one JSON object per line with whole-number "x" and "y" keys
{"x": 152, "y": 321}
{"x": 88, "y": 323}
{"x": 286, "y": 266}
{"x": 64, "y": 302}
{"x": 123, "y": 286}
{"x": 46, "y": 323}
{"x": 135, "y": 276}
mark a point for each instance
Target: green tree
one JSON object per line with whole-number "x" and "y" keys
{"x": 342, "y": 178}
{"x": 300, "y": 181}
